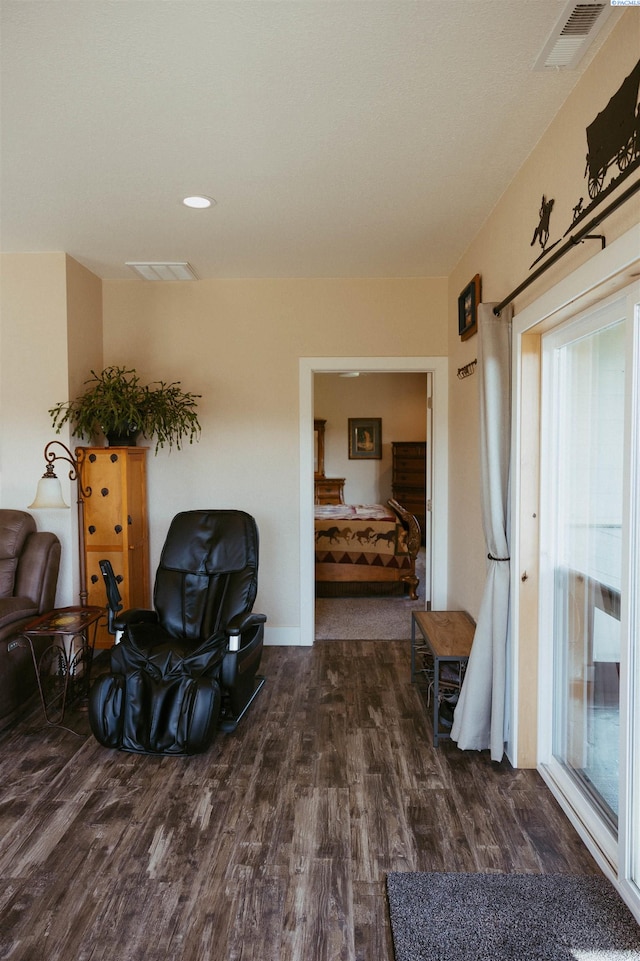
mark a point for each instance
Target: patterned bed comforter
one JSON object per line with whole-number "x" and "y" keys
{"x": 369, "y": 534}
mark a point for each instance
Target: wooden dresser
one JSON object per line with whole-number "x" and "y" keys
{"x": 329, "y": 490}
{"x": 409, "y": 478}
{"x": 115, "y": 525}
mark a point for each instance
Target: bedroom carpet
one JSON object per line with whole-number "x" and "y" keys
{"x": 509, "y": 917}
{"x": 368, "y": 618}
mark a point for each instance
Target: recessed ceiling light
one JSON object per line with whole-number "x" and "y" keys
{"x": 199, "y": 202}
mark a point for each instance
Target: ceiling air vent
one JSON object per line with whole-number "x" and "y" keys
{"x": 158, "y": 271}
{"x": 573, "y": 33}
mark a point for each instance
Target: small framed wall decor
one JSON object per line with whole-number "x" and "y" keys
{"x": 365, "y": 438}
{"x": 468, "y": 309}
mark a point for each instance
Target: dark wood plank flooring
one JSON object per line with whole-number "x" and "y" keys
{"x": 274, "y": 845}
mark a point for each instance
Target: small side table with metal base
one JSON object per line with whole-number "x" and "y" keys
{"x": 63, "y": 668}
{"x": 444, "y": 646}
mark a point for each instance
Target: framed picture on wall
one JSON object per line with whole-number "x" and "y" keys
{"x": 468, "y": 309}
{"x": 365, "y": 438}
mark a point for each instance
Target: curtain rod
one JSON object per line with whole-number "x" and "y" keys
{"x": 577, "y": 238}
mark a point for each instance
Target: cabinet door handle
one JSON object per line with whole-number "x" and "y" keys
{"x": 118, "y": 528}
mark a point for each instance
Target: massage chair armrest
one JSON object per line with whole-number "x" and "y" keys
{"x": 238, "y": 625}
{"x": 134, "y": 616}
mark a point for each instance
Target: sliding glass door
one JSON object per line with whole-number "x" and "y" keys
{"x": 590, "y": 679}
{"x": 585, "y": 474}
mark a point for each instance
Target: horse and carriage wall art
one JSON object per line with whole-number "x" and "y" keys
{"x": 613, "y": 143}
{"x": 614, "y": 136}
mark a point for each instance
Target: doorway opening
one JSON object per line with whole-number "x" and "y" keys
{"x": 437, "y": 371}
{"x": 396, "y": 465}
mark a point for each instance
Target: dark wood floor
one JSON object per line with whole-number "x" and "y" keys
{"x": 273, "y": 846}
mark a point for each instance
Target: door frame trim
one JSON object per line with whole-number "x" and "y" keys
{"x": 602, "y": 275}
{"x": 439, "y": 368}
{"x": 595, "y": 281}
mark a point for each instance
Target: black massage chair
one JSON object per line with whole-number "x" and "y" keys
{"x": 189, "y": 667}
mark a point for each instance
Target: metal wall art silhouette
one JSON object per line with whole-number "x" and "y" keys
{"x": 613, "y": 149}
{"x": 614, "y": 135}
{"x": 541, "y": 233}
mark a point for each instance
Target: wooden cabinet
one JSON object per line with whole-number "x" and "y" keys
{"x": 115, "y": 525}
{"x": 329, "y": 490}
{"x": 409, "y": 478}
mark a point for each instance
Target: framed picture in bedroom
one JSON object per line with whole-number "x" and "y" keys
{"x": 365, "y": 438}
{"x": 468, "y": 309}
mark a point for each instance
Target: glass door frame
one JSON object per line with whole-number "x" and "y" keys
{"x": 584, "y": 325}
{"x": 605, "y": 273}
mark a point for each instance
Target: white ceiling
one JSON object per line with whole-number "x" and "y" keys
{"x": 338, "y": 137}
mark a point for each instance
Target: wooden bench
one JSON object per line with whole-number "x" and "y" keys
{"x": 445, "y": 639}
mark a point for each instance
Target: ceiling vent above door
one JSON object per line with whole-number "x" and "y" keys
{"x": 573, "y": 34}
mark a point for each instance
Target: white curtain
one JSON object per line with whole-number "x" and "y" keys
{"x": 479, "y": 720}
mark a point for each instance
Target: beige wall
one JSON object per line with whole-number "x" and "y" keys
{"x": 238, "y": 343}
{"x": 400, "y": 400}
{"x": 50, "y": 330}
{"x": 34, "y": 365}
{"x": 502, "y": 254}
{"x": 84, "y": 318}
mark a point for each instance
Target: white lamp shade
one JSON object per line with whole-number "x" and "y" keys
{"x": 48, "y": 494}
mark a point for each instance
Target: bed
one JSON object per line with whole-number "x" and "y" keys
{"x": 364, "y": 549}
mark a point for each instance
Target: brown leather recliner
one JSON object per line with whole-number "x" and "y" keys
{"x": 29, "y": 564}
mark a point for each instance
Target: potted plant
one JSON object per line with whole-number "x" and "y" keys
{"x": 116, "y": 403}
